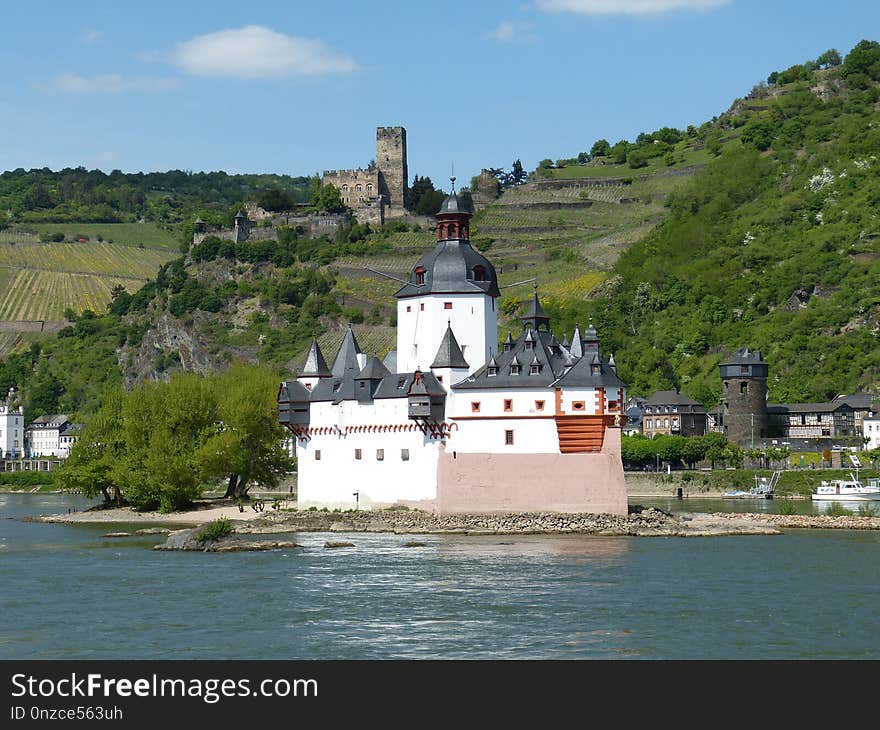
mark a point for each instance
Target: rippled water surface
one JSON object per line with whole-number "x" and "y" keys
{"x": 68, "y": 592}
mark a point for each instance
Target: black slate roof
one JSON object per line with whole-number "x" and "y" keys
{"x": 449, "y": 269}
{"x": 373, "y": 370}
{"x": 397, "y": 385}
{"x": 292, "y": 391}
{"x": 449, "y": 353}
{"x": 315, "y": 364}
{"x": 346, "y": 362}
{"x": 531, "y": 348}
{"x": 744, "y": 356}
{"x": 671, "y": 398}
{"x": 590, "y": 371}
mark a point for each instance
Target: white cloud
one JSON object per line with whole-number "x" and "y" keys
{"x": 258, "y": 52}
{"x": 110, "y": 83}
{"x": 508, "y": 31}
{"x": 90, "y": 37}
{"x": 626, "y": 7}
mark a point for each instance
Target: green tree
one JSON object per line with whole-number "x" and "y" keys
{"x": 97, "y": 453}
{"x": 327, "y": 199}
{"x": 600, "y": 148}
{"x": 245, "y": 448}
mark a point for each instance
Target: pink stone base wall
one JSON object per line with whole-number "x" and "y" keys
{"x": 533, "y": 482}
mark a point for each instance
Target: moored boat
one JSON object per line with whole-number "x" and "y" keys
{"x": 848, "y": 490}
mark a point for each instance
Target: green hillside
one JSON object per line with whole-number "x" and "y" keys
{"x": 756, "y": 228}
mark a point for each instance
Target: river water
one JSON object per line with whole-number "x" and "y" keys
{"x": 66, "y": 592}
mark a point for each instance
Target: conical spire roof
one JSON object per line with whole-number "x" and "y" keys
{"x": 577, "y": 344}
{"x": 449, "y": 353}
{"x": 373, "y": 370}
{"x": 536, "y": 316}
{"x": 346, "y": 362}
{"x": 315, "y": 365}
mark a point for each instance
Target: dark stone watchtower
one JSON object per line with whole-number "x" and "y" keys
{"x": 744, "y": 397}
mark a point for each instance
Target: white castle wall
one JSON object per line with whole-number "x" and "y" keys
{"x": 422, "y": 322}
{"x": 331, "y": 480}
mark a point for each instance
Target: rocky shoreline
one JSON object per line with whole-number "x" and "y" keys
{"x": 646, "y": 523}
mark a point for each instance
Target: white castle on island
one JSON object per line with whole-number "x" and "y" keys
{"x": 450, "y": 421}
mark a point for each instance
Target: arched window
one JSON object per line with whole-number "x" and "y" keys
{"x": 479, "y": 273}
{"x": 345, "y": 188}
{"x": 359, "y": 187}
{"x": 369, "y": 187}
{"x": 450, "y": 230}
{"x": 420, "y": 276}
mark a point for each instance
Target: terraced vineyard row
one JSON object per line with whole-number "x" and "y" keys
{"x": 374, "y": 340}
{"x": 44, "y": 295}
{"x": 107, "y": 259}
{"x": 11, "y": 235}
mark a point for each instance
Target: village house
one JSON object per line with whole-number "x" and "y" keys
{"x": 51, "y": 435}
{"x": 667, "y": 412}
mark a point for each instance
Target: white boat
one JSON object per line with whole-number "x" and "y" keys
{"x": 765, "y": 487}
{"x": 848, "y": 490}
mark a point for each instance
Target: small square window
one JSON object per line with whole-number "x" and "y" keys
{"x": 422, "y": 307}
{"x": 380, "y": 454}
{"x": 508, "y": 405}
{"x": 317, "y": 454}
{"x": 439, "y": 378}
{"x": 475, "y": 406}
{"x": 404, "y": 454}
{"x": 408, "y": 308}
{"x": 539, "y": 405}
{"x": 357, "y": 454}
{"x": 508, "y": 438}
{"x": 447, "y": 305}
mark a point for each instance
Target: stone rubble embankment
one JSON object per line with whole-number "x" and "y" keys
{"x": 648, "y": 522}
{"x": 820, "y": 522}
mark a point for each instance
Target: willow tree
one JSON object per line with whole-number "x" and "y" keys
{"x": 95, "y": 456}
{"x": 247, "y": 446}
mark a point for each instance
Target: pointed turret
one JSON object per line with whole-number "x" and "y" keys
{"x": 449, "y": 353}
{"x": 591, "y": 338}
{"x": 315, "y": 365}
{"x": 577, "y": 344}
{"x": 368, "y": 379}
{"x": 508, "y": 343}
{"x": 536, "y": 318}
{"x": 346, "y": 362}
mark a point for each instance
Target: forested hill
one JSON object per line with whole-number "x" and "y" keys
{"x": 92, "y": 196}
{"x": 775, "y": 245}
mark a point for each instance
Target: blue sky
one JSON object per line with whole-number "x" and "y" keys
{"x": 294, "y": 87}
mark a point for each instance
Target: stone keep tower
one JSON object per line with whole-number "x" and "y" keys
{"x": 744, "y": 397}
{"x": 391, "y": 161}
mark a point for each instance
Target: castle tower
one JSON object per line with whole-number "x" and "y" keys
{"x": 744, "y": 397}
{"x": 11, "y": 427}
{"x": 391, "y": 161}
{"x": 451, "y": 287}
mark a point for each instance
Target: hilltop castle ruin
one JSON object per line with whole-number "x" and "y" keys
{"x": 379, "y": 191}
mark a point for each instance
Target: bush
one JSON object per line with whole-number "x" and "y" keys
{"x": 787, "y": 508}
{"x": 27, "y": 478}
{"x": 213, "y": 531}
{"x": 836, "y": 509}
{"x": 868, "y": 510}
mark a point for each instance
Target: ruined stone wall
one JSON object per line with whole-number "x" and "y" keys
{"x": 391, "y": 159}
{"x": 358, "y": 188}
